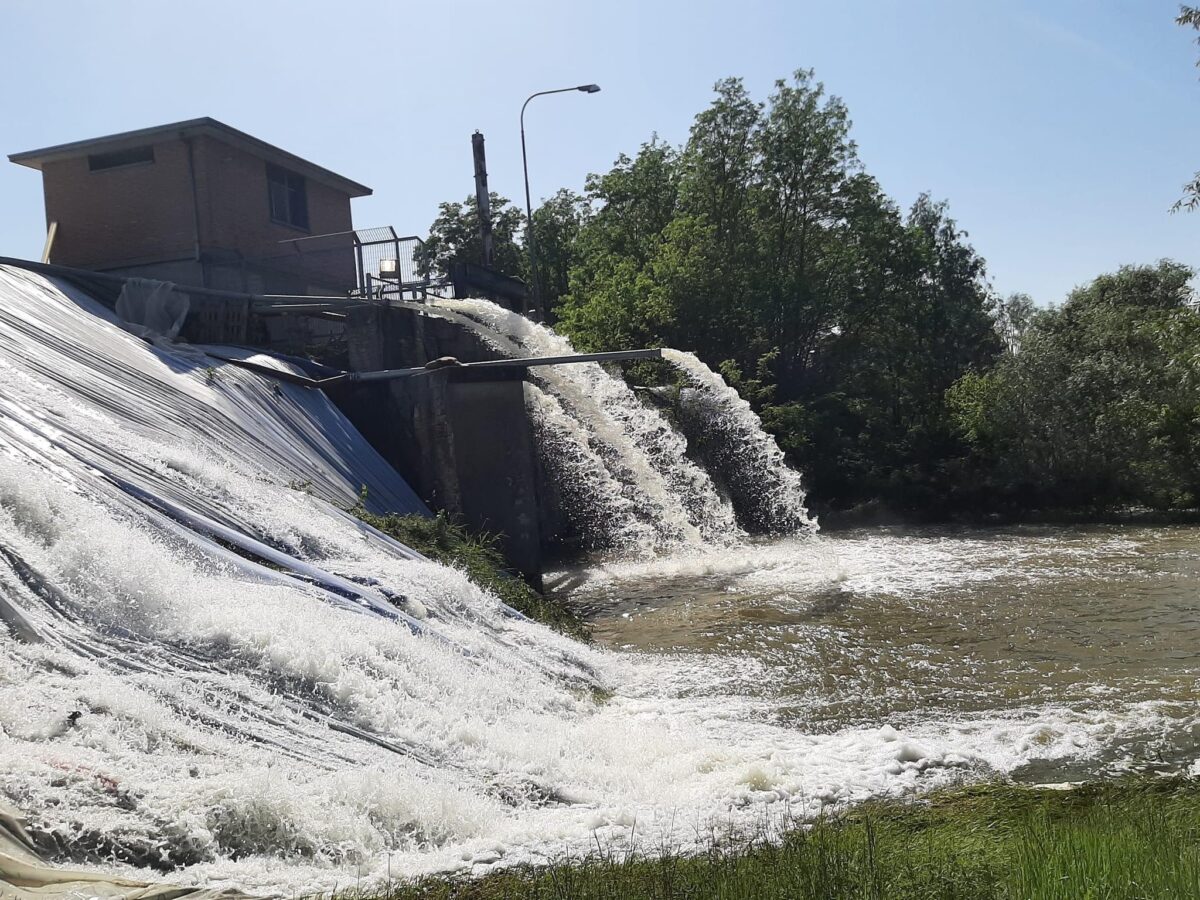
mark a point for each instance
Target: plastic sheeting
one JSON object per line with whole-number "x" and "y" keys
{"x": 177, "y": 562}
{"x": 152, "y": 308}
{"x": 73, "y": 341}
{"x": 24, "y": 876}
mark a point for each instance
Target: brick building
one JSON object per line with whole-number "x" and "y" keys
{"x": 198, "y": 203}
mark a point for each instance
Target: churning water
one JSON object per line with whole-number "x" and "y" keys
{"x": 207, "y": 668}
{"x": 613, "y": 452}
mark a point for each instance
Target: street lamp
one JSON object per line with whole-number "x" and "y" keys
{"x": 533, "y": 268}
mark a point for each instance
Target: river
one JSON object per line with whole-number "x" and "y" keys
{"x": 219, "y": 674}
{"x": 907, "y": 627}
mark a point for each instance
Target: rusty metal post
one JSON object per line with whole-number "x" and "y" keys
{"x": 482, "y": 199}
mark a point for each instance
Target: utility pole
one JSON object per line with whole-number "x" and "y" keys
{"x": 482, "y": 199}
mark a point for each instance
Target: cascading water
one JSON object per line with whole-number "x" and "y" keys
{"x": 601, "y": 509}
{"x": 209, "y": 669}
{"x": 767, "y": 494}
{"x": 664, "y": 508}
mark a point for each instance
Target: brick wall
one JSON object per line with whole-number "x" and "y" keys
{"x": 120, "y": 216}
{"x": 143, "y": 213}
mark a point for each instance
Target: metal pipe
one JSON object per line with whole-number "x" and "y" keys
{"x": 523, "y": 363}
{"x": 393, "y": 374}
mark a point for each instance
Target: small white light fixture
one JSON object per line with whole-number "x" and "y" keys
{"x": 389, "y": 268}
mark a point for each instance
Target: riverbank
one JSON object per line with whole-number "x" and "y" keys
{"x": 872, "y": 515}
{"x": 1136, "y": 837}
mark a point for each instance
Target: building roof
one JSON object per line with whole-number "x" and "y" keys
{"x": 35, "y": 159}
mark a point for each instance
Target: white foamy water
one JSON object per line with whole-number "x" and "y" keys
{"x": 610, "y": 514}
{"x": 769, "y": 493}
{"x": 323, "y": 706}
{"x": 635, "y": 441}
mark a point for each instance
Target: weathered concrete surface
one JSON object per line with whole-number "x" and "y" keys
{"x": 461, "y": 438}
{"x": 494, "y": 460}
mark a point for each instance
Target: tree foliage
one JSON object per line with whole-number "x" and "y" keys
{"x": 762, "y": 246}
{"x": 1100, "y": 404}
{"x": 556, "y": 225}
{"x": 865, "y": 334}
{"x": 454, "y": 236}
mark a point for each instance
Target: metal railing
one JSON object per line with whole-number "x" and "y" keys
{"x": 371, "y": 263}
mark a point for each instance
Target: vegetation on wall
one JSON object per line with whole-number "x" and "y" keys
{"x": 443, "y": 541}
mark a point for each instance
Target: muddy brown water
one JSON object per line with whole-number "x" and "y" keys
{"x": 914, "y": 625}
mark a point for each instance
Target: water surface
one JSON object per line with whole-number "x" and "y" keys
{"x": 913, "y": 626}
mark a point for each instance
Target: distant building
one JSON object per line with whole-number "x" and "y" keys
{"x": 198, "y": 203}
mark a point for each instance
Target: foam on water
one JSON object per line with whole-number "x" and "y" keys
{"x": 324, "y": 705}
{"x": 768, "y": 493}
{"x": 636, "y": 442}
{"x": 607, "y": 513}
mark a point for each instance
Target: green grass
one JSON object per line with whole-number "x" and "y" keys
{"x": 443, "y": 541}
{"x": 1133, "y": 839}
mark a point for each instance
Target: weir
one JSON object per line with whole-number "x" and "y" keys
{"x": 462, "y": 438}
{"x": 497, "y": 420}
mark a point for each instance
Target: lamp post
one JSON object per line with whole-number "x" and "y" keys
{"x": 533, "y": 267}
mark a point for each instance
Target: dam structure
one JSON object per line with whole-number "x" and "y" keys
{"x": 163, "y": 227}
{"x": 215, "y": 662}
{"x": 473, "y": 437}
{"x": 214, "y": 676}
{"x": 214, "y": 673}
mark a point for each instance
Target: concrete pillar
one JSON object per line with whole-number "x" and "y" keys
{"x": 494, "y": 461}
{"x": 461, "y": 437}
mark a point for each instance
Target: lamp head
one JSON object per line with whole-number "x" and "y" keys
{"x": 588, "y": 88}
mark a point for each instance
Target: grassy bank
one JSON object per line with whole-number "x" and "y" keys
{"x": 443, "y": 541}
{"x": 1132, "y": 838}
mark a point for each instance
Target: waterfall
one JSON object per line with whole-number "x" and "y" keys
{"x": 643, "y": 453}
{"x": 767, "y": 492}
{"x": 603, "y": 511}
{"x": 680, "y": 505}
{"x": 208, "y": 667}
{"x": 214, "y": 659}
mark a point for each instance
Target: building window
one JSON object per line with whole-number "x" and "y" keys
{"x": 289, "y": 204}
{"x": 114, "y": 159}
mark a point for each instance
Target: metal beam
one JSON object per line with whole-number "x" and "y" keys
{"x": 523, "y": 363}
{"x": 447, "y": 366}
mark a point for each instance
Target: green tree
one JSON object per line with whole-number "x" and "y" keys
{"x": 613, "y": 302}
{"x": 1101, "y": 406}
{"x": 454, "y": 237}
{"x": 1014, "y": 315}
{"x": 557, "y": 223}
{"x": 763, "y": 247}
{"x": 807, "y": 158}
{"x": 872, "y": 423}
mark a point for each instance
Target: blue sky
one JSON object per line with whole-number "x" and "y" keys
{"x": 1059, "y": 131}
